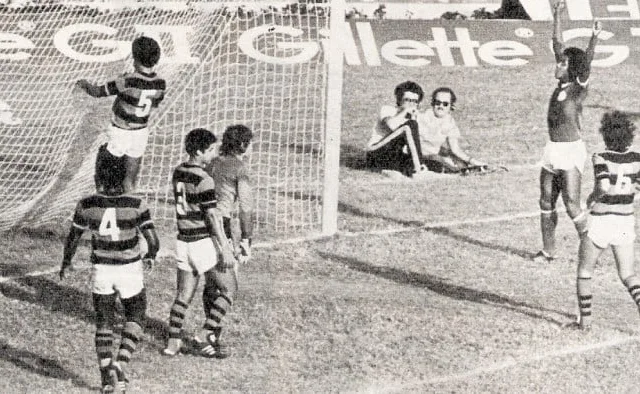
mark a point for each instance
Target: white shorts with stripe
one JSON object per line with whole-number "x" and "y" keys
{"x": 564, "y": 156}
{"x": 197, "y": 257}
{"x": 126, "y": 279}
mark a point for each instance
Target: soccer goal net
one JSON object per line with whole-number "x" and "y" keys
{"x": 260, "y": 64}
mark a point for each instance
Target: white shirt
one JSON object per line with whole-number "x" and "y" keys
{"x": 380, "y": 128}
{"x": 434, "y": 131}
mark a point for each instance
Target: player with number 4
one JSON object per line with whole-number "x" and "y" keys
{"x": 137, "y": 93}
{"x": 616, "y": 171}
{"x": 115, "y": 221}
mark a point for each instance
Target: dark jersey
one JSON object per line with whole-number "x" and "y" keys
{"x": 115, "y": 223}
{"x": 194, "y": 193}
{"x": 136, "y": 94}
{"x": 233, "y": 186}
{"x": 565, "y": 109}
{"x": 622, "y": 170}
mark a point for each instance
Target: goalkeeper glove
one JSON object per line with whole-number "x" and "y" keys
{"x": 244, "y": 250}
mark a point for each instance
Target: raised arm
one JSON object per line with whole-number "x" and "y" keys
{"x": 558, "y": 42}
{"x": 591, "y": 48}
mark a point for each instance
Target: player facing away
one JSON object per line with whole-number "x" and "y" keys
{"x": 137, "y": 93}
{"x": 612, "y": 223}
{"x": 201, "y": 248}
{"x": 565, "y": 153}
{"x": 115, "y": 221}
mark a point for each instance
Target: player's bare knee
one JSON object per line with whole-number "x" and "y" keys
{"x": 135, "y": 308}
{"x": 546, "y": 206}
{"x": 574, "y": 209}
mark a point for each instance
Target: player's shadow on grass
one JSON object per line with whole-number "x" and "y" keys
{"x": 443, "y": 287}
{"x": 42, "y": 366}
{"x": 446, "y": 232}
{"x": 72, "y": 302}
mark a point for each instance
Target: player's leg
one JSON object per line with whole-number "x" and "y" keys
{"x": 132, "y": 165}
{"x": 220, "y": 290}
{"x": 549, "y": 193}
{"x": 571, "y": 188}
{"x": 104, "y": 307}
{"x": 588, "y": 254}
{"x": 624, "y": 254}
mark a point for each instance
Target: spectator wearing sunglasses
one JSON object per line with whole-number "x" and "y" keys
{"x": 439, "y": 136}
{"x": 394, "y": 146}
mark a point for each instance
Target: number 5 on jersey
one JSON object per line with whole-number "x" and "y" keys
{"x": 109, "y": 225}
{"x": 623, "y": 183}
{"x": 145, "y": 102}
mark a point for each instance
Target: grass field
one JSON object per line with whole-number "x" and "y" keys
{"x": 428, "y": 287}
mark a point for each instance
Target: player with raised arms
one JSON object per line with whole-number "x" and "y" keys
{"x": 565, "y": 153}
{"x": 201, "y": 248}
{"x": 115, "y": 221}
{"x": 137, "y": 93}
{"x": 617, "y": 171}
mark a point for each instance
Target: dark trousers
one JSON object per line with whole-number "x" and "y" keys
{"x": 389, "y": 152}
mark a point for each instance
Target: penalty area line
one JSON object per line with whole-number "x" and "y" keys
{"x": 500, "y": 366}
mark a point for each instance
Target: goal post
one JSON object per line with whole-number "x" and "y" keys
{"x": 265, "y": 65}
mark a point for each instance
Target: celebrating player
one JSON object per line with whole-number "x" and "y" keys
{"x": 136, "y": 94}
{"x": 565, "y": 153}
{"x": 115, "y": 221}
{"x": 200, "y": 240}
{"x": 616, "y": 170}
{"x": 396, "y": 132}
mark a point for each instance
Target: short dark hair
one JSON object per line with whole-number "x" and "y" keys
{"x": 407, "y": 86}
{"x": 198, "y": 140}
{"x": 146, "y": 51}
{"x": 235, "y": 140}
{"x": 110, "y": 171}
{"x": 578, "y": 63}
{"x": 444, "y": 89}
{"x": 617, "y": 131}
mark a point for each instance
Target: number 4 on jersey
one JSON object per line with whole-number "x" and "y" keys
{"x": 109, "y": 225}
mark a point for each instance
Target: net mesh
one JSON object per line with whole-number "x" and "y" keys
{"x": 50, "y": 132}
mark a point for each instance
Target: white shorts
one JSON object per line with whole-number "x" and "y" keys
{"x": 198, "y": 256}
{"x": 132, "y": 143}
{"x": 564, "y": 156}
{"x": 605, "y": 230}
{"x": 127, "y": 279}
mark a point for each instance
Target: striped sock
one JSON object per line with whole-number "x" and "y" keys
{"x": 130, "y": 338}
{"x": 584, "y": 300}
{"x": 104, "y": 344}
{"x": 633, "y": 285}
{"x": 221, "y": 304}
{"x": 176, "y": 318}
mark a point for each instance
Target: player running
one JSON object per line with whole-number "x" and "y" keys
{"x": 200, "y": 241}
{"x": 565, "y": 153}
{"x": 115, "y": 221}
{"x": 137, "y": 93}
{"x": 612, "y": 223}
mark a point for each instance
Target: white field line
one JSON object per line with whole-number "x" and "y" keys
{"x": 500, "y": 366}
{"x": 164, "y": 252}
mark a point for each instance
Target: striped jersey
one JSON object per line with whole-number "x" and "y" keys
{"x": 194, "y": 193}
{"x": 115, "y": 223}
{"x": 233, "y": 185}
{"x": 136, "y": 94}
{"x": 622, "y": 170}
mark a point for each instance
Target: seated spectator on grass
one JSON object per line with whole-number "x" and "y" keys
{"x": 439, "y": 136}
{"x": 395, "y": 140}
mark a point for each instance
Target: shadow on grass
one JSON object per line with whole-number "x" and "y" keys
{"x": 40, "y": 365}
{"x": 72, "y": 302}
{"x": 446, "y": 232}
{"x": 456, "y": 292}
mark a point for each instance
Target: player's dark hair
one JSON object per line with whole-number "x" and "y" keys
{"x": 578, "y": 63}
{"x": 146, "y": 51}
{"x": 110, "y": 172}
{"x": 617, "y": 131}
{"x": 407, "y": 86}
{"x": 235, "y": 140}
{"x": 198, "y": 140}
{"x": 444, "y": 89}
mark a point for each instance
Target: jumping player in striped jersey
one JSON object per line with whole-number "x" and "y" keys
{"x": 137, "y": 93}
{"x": 617, "y": 171}
{"x": 565, "y": 153}
{"x": 201, "y": 243}
{"x": 115, "y": 221}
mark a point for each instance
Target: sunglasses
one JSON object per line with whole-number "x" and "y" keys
{"x": 410, "y": 100}
{"x": 438, "y": 102}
